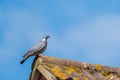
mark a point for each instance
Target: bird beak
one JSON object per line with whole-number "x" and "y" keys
{"x": 49, "y": 36}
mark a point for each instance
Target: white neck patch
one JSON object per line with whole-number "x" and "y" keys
{"x": 43, "y": 39}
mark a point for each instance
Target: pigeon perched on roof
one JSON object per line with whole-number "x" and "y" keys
{"x": 37, "y": 49}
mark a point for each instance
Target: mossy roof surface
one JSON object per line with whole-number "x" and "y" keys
{"x": 64, "y": 69}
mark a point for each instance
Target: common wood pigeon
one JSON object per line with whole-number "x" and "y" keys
{"x": 37, "y": 49}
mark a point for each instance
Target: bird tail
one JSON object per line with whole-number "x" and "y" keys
{"x": 22, "y": 61}
{"x": 26, "y": 54}
{"x": 25, "y": 57}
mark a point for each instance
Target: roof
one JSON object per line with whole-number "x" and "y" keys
{"x": 61, "y": 69}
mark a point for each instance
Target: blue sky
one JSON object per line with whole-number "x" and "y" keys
{"x": 81, "y": 30}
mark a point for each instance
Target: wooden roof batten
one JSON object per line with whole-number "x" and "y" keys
{"x": 37, "y": 65}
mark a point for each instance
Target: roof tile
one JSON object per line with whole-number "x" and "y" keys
{"x": 68, "y": 69}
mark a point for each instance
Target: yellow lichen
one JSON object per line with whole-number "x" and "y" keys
{"x": 61, "y": 75}
{"x": 56, "y": 69}
{"x": 49, "y": 65}
{"x": 86, "y": 79}
{"x": 105, "y": 73}
{"x": 69, "y": 70}
{"x": 58, "y": 73}
{"x": 98, "y": 67}
{"x": 78, "y": 70}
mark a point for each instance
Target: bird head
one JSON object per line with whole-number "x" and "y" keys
{"x": 46, "y": 37}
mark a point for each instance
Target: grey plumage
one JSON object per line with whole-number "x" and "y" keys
{"x": 37, "y": 49}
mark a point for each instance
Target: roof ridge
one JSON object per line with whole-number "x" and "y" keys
{"x": 61, "y": 61}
